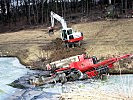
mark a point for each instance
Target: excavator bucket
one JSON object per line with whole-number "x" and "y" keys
{"x": 50, "y": 30}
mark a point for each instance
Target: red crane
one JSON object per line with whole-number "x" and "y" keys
{"x": 83, "y": 69}
{"x": 91, "y": 67}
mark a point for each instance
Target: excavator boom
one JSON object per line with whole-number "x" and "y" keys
{"x": 59, "y": 18}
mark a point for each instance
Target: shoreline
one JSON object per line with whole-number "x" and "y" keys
{"x": 111, "y": 71}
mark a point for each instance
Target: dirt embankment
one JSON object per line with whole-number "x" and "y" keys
{"x": 59, "y": 51}
{"x": 108, "y": 37}
{"x": 35, "y": 47}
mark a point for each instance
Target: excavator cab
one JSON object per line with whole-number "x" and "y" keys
{"x": 71, "y": 37}
{"x": 67, "y": 34}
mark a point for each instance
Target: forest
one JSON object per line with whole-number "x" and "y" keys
{"x": 35, "y": 12}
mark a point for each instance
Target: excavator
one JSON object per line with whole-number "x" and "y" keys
{"x": 68, "y": 35}
{"x": 84, "y": 68}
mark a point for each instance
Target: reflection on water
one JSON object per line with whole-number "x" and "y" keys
{"x": 10, "y": 69}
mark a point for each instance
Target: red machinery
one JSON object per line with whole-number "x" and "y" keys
{"x": 83, "y": 69}
{"x": 89, "y": 67}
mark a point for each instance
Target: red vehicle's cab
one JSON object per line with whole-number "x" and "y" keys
{"x": 84, "y": 64}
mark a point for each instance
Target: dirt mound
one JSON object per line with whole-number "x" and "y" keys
{"x": 54, "y": 45}
{"x": 59, "y": 51}
{"x": 66, "y": 52}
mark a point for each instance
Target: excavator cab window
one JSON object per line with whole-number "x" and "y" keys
{"x": 69, "y": 31}
{"x": 94, "y": 58}
{"x": 64, "y": 35}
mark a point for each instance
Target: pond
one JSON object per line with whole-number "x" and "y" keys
{"x": 11, "y": 69}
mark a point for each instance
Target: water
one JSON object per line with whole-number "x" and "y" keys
{"x": 115, "y": 84}
{"x": 122, "y": 84}
{"x": 10, "y": 69}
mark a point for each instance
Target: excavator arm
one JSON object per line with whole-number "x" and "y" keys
{"x": 58, "y": 18}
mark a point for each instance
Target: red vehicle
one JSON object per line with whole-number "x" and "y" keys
{"x": 88, "y": 67}
{"x": 84, "y": 68}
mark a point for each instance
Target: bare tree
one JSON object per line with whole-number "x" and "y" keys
{"x": 38, "y": 11}
{"x": 42, "y": 10}
{"x": 37, "y": 15}
{"x": 126, "y": 7}
{"x": 29, "y": 15}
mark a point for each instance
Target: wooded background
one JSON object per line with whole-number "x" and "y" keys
{"x": 34, "y": 12}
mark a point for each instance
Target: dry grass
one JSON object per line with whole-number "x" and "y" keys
{"x": 14, "y": 43}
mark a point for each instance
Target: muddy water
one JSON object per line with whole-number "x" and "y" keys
{"x": 10, "y": 69}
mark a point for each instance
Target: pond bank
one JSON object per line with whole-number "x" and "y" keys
{"x": 123, "y": 67}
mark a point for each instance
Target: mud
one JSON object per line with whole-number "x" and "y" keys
{"x": 59, "y": 51}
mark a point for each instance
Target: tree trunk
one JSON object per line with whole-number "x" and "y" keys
{"x": 110, "y": 2}
{"x": 87, "y": 7}
{"x": 3, "y": 11}
{"x": 36, "y": 3}
{"x": 122, "y": 6}
{"x": 29, "y": 19}
{"x": 56, "y": 7}
{"x": 82, "y": 6}
{"x": 42, "y": 10}
{"x": 126, "y": 7}
{"x": 62, "y": 7}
